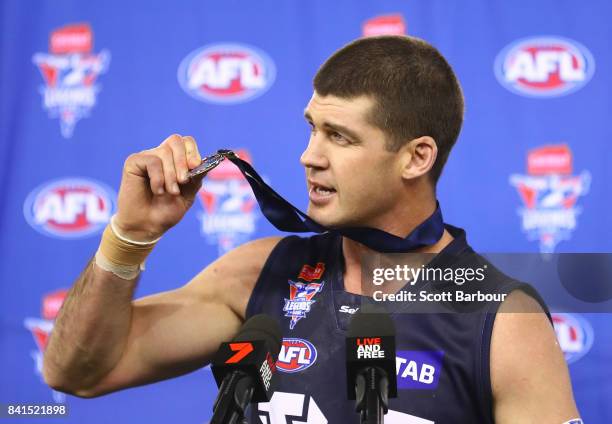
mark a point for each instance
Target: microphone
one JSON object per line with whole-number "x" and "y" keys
{"x": 370, "y": 365}
{"x": 244, "y": 368}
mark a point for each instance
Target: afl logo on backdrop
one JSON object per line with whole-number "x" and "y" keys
{"x": 575, "y": 335}
{"x": 296, "y": 355}
{"x": 544, "y": 66}
{"x": 69, "y": 208}
{"x": 226, "y": 73}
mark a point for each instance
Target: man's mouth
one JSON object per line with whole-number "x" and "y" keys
{"x": 319, "y": 193}
{"x": 322, "y": 190}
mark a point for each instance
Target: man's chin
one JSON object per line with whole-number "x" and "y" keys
{"x": 320, "y": 216}
{"x": 333, "y": 221}
{"x": 326, "y": 219}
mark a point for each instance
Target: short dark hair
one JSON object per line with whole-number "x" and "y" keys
{"x": 415, "y": 90}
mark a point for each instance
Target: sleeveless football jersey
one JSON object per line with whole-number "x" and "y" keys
{"x": 442, "y": 359}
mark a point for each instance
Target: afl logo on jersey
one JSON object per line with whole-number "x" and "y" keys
{"x": 226, "y": 73}
{"x": 544, "y": 66}
{"x": 296, "y": 355}
{"x": 69, "y": 208}
{"x": 575, "y": 335}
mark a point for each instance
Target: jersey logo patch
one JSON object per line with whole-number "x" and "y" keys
{"x": 300, "y": 300}
{"x": 296, "y": 355}
{"x": 418, "y": 369}
{"x": 308, "y": 273}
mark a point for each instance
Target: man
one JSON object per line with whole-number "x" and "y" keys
{"x": 384, "y": 115}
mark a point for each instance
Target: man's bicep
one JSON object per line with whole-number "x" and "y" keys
{"x": 176, "y": 332}
{"x": 529, "y": 376}
{"x": 169, "y": 336}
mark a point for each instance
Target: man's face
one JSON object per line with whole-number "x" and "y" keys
{"x": 352, "y": 179}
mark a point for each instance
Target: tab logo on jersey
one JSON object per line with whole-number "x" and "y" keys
{"x": 418, "y": 369}
{"x": 550, "y": 194}
{"x": 296, "y": 355}
{"x": 226, "y": 73}
{"x": 575, "y": 335}
{"x": 300, "y": 300}
{"x": 544, "y": 66}
{"x": 41, "y": 330}
{"x": 70, "y": 208}
{"x": 309, "y": 273}
{"x": 70, "y": 71}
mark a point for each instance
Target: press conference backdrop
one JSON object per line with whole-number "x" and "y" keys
{"x": 84, "y": 84}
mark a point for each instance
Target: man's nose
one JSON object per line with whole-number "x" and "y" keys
{"x": 315, "y": 155}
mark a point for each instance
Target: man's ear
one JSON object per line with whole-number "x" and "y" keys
{"x": 418, "y": 157}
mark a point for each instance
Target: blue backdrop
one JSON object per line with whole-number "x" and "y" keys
{"x": 84, "y": 84}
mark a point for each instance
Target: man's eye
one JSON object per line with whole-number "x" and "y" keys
{"x": 336, "y": 136}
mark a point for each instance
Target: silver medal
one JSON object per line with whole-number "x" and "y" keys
{"x": 210, "y": 162}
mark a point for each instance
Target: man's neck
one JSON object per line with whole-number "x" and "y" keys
{"x": 353, "y": 251}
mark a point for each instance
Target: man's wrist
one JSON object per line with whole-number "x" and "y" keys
{"x": 121, "y": 255}
{"x": 133, "y": 236}
{"x": 125, "y": 272}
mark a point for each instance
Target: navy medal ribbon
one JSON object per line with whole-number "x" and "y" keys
{"x": 286, "y": 217}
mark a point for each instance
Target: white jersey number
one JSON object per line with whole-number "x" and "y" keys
{"x": 305, "y": 410}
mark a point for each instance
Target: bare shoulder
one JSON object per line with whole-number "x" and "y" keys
{"x": 529, "y": 375}
{"x": 231, "y": 278}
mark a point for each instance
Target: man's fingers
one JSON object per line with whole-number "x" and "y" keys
{"x": 155, "y": 171}
{"x": 167, "y": 165}
{"x": 167, "y": 158}
{"x": 179, "y": 157}
{"x": 147, "y": 164}
{"x": 192, "y": 151}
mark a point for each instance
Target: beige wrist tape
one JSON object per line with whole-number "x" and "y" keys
{"x": 126, "y": 272}
{"x": 120, "y": 255}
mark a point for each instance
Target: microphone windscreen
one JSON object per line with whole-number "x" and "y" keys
{"x": 370, "y": 343}
{"x": 371, "y": 325}
{"x": 262, "y": 327}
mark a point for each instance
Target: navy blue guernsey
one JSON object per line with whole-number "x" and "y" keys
{"x": 442, "y": 358}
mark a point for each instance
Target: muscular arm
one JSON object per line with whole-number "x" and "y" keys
{"x": 529, "y": 376}
{"x": 103, "y": 341}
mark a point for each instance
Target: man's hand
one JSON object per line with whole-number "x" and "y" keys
{"x": 155, "y": 192}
